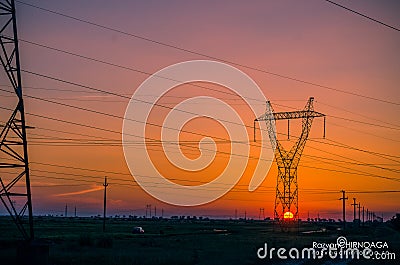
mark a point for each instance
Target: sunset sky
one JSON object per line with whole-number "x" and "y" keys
{"x": 293, "y": 50}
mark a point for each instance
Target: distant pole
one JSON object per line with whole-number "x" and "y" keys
{"x": 148, "y": 209}
{"x": 105, "y": 203}
{"x": 66, "y": 210}
{"x": 363, "y": 216}
{"x": 344, "y": 198}
{"x": 75, "y": 211}
{"x": 354, "y": 206}
{"x": 235, "y": 214}
{"x": 367, "y": 215}
{"x": 155, "y": 211}
{"x": 359, "y": 214}
{"x": 162, "y": 213}
{"x": 245, "y": 215}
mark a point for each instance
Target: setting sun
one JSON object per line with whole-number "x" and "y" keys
{"x": 288, "y": 215}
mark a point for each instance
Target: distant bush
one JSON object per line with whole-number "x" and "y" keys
{"x": 86, "y": 240}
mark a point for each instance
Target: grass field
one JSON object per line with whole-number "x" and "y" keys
{"x": 81, "y": 241}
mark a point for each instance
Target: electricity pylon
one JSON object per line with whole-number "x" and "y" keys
{"x": 286, "y": 200}
{"x": 13, "y": 144}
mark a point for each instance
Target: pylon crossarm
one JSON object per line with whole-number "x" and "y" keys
{"x": 301, "y": 114}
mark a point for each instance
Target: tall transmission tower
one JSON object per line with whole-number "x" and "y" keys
{"x": 286, "y": 200}
{"x": 13, "y": 143}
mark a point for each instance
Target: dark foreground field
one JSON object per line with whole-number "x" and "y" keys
{"x": 81, "y": 241}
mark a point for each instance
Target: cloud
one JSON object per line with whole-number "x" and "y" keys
{"x": 78, "y": 192}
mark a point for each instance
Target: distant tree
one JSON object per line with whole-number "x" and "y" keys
{"x": 395, "y": 221}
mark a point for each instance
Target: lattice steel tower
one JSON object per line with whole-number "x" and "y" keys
{"x": 286, "y": 200}
{"x": 13, "y": 144}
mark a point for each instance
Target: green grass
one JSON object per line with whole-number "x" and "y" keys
{"x": 81, "y": 241}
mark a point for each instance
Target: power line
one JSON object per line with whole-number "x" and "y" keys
{"x": 93, "y": 127}
{"x": 378, "y": 136}
{"x": 365, "y": 16}
{"x": 158, "y": 125}
{"x": 201, "y": 54}
{"x": 117, "y": 181}
{"x": 110, "y": 142}
{"x": 397, "y": 127}
{"x": 161, "y": 126}
{"x": 358, "y": 114}
{"x": 142, "y": 101}
{"x": 117, "y": 143}
{"x": 353, "y": 173}
{"x": 168, "y": 107}
{"x": 364, "y": 132}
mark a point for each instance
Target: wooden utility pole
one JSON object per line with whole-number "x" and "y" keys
{"x": 344, "y": 198}
{"x": 354, "y": 206}
{"x": 105, "y": 203}
{"x": 363, "y": 216}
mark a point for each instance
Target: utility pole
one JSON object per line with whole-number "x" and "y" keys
{"x": 155, "y": 211}
{"x": 261, "y": 212}
{"x": 148, "y": 209}
{"x": 363, "y": 215}
{"x": 66, "y": 211}
{"x": 162, "y": 213}
{"x": 359, "y": 214}
{"x": 75, "y": 211}
{"x": 245, "y": 215}
{"x": 105, "y": 203}
{"x": 235, "y": 214}
{"x": 344, "y": 198}
{"x": 354, "y": 206}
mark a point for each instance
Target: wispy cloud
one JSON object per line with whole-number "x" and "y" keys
{"x": 78, "y": 192}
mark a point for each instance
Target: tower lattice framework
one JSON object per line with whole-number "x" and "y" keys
{"x": 15, "y": 191}
{"x": 286, "y": 200}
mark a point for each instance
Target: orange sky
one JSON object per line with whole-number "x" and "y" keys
{"x": 312, "y": 41}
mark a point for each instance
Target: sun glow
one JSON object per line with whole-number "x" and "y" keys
{"x": 288, "y": 216}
